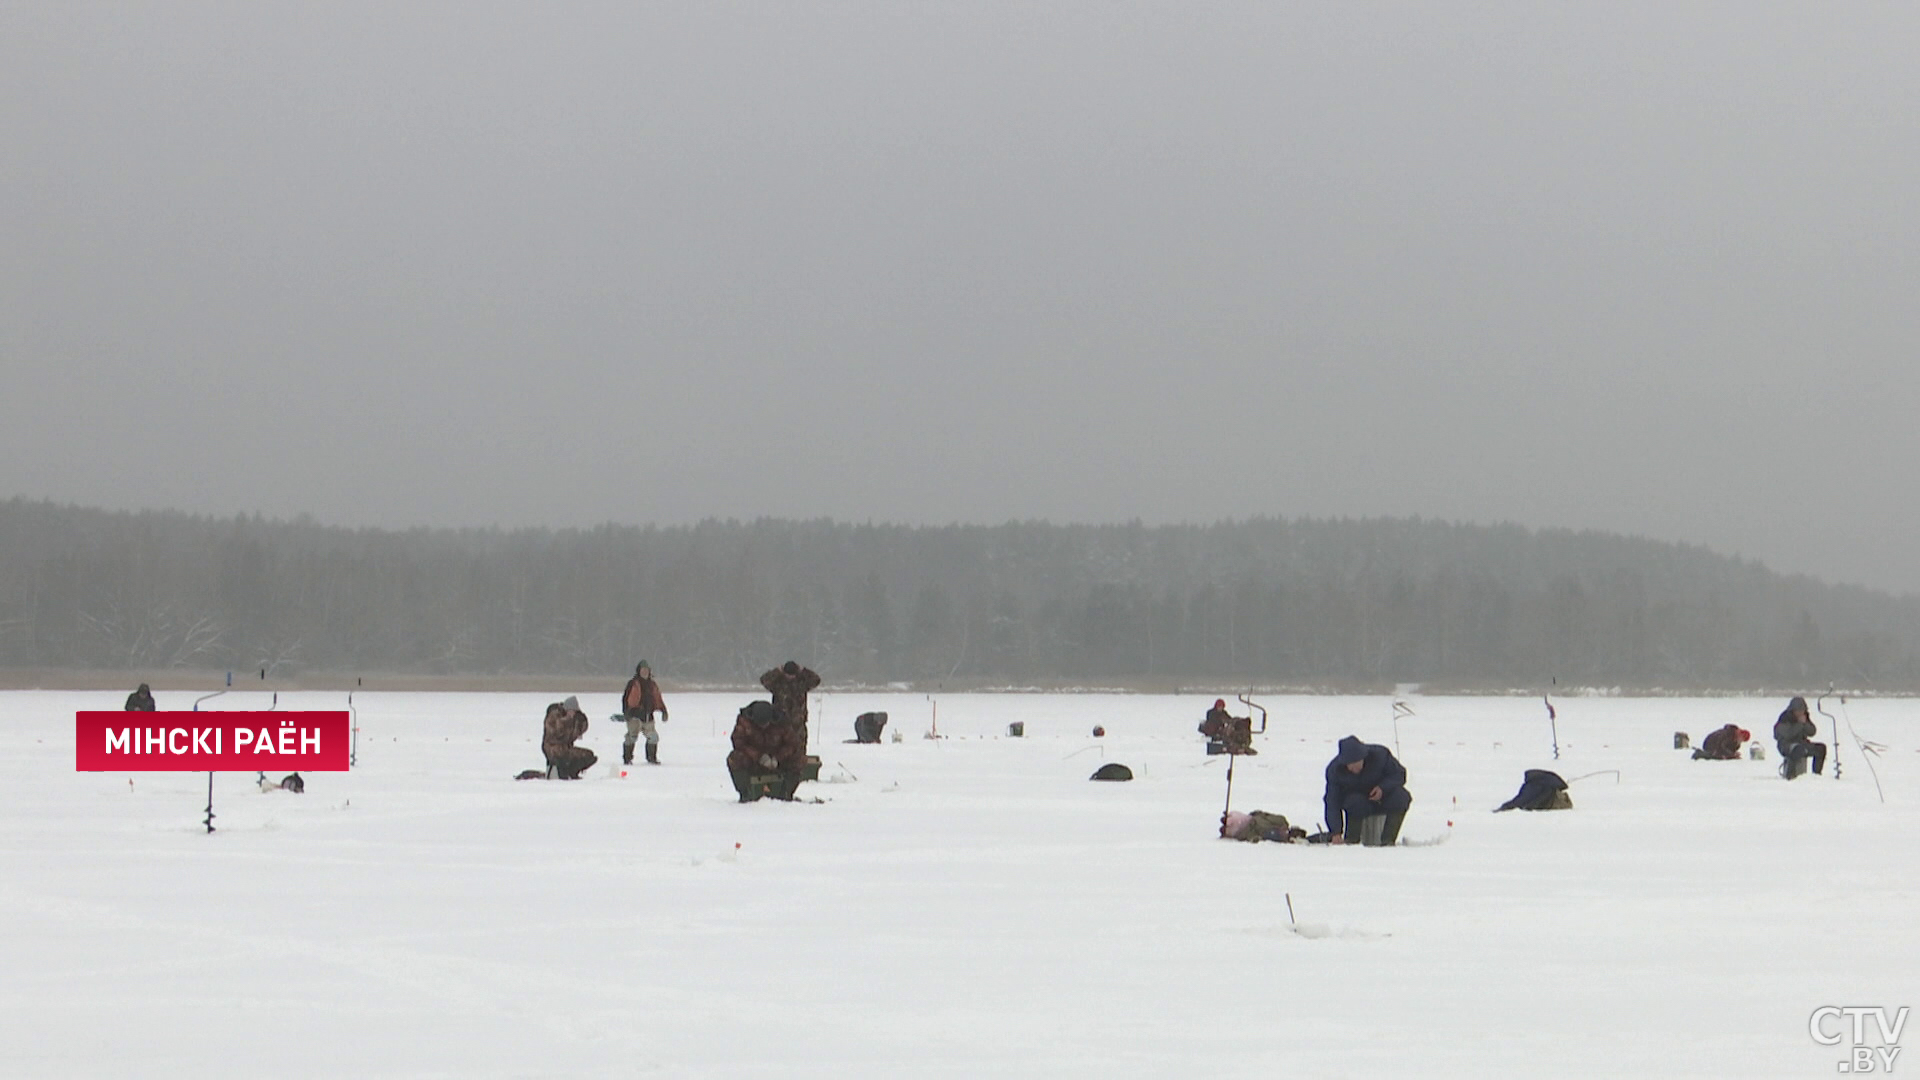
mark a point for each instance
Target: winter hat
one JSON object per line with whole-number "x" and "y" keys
{"x": 642, "y": 666}
{"x": 790, "y": 668}
{"x": 1220, "y": 703}
{"x": 572, "y": 704}
{"x": 1745, "y": 735}
{"x": 1351, "y": 750}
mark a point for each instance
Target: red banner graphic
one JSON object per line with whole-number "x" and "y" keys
{"x": 210, "y": 741}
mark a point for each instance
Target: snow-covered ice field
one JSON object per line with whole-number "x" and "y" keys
{"x": 968, "y": 907}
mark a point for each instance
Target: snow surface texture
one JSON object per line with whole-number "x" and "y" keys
{"x": 968, "y": 907}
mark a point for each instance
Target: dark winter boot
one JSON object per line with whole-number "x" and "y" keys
{"x": 1390, "y": 828}
{"x": 653, "y": 754}
{"x": 626, "y": 754}
{"x": 743, "y": 783}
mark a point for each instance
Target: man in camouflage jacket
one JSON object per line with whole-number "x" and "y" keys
{"x": 765, "y": 743}
{"x": 564, "y": 724}
{"x": 789, "y": 684}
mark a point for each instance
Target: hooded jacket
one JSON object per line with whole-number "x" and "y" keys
{"x": 1347, "y": 792}
{"x": 1793, "y": 727}
{"x": 1537, "y": 789}
{"x": 559, "y": 730}
{"x": 1722, "y": 745}
{"x": 641, "y": 699}
{"x": 759, "y": 730}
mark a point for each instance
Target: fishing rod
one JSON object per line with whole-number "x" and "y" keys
{"x": 1228, "y": 808}
{"x": 1233, "y": 754}
{"x": 196, "y": 708}
{"x": 1833, "y": 723}
{"x": 1868, "y": 751}
{"x": 1553, "y": 719}
{"x": 1400, "y": 709}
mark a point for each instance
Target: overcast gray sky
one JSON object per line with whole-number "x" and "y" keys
{"x": 1649, "y": 268}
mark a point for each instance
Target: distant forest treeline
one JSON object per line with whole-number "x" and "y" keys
{"x": 1333, "y": 603}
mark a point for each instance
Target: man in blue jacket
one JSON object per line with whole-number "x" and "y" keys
{"x": 1364, "y": 781}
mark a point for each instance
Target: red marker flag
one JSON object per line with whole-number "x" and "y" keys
{"x": 210, "y": 741}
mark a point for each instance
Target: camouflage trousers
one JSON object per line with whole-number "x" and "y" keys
{"x": 638, "y": 726}
{"x": 568, "y": 764}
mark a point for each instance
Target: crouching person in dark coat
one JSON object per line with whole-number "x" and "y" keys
{"x": 768, "y": 752}
{"x": 565, "y": 723}
{"x": 140, "y": 700}
{"x": 868, "y": 726}
{"x": 1364, "y": 782}
{"x": 1722, "y": 745}
{"x": 1540, "y": 789}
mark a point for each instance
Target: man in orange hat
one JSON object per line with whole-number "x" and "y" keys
{"x": 1722, "y": 745}
{"x": 1227, "y": 734}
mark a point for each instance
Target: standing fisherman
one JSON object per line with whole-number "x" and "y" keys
{"x": 638, "y": 703}
{"x": 789, "y": 684}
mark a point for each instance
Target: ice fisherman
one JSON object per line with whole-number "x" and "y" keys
{"x": 564, "y": 724}
{"x": 638, "y": 702}
{"x": 868, "y": 726}
{"x": 1540, "y": 789}
{"x": 1364, "y": 781}
{"x": 1723, "y": 745}
{"x": 291, "y": 782}
{"x": 1793, "y": 735}
{"x": 766, "y": 744}
{"x": 789, "y": 684}
{"x": 1233, "y": 732}
{"x": 141, "y": 700}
